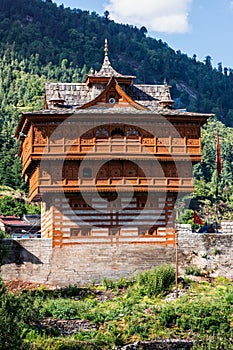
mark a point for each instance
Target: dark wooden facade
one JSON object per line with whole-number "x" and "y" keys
{"x": 108, "y": 159}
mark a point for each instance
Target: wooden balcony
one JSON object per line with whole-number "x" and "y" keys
{"x": 110, "y": 185}
{"x": 164, "y": 149}
{"x": 34, "y": 184}
{"x": 121, "y": 145}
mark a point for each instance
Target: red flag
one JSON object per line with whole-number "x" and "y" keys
{"x": 197, "y": 219}
{"x": 219, "y": 159}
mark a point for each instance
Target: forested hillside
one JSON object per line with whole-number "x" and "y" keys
{"x": 21, "y": 89}
{"x": 56, "y": 33}
{"x": 41, "y": 41}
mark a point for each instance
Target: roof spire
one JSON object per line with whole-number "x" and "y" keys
{"x": 56, "y": 97}
{"x": 166, "y": 100}
{"x": 106, "y": 71}
{"x": 106, "y": 47}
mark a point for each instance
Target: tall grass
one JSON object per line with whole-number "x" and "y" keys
{"x": 157, "y": 281}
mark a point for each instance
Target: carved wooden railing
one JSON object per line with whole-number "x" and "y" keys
{"x": 110, "y": 184}
{"x": 123, "y": 145}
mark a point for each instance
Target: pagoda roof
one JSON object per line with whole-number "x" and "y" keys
{"x": 97, "y": 86}
{"x": 94, "y": 96}
{"x": 114, "y": 86}
{"x": 107, "y": 71}
{"x": 76, "y": 95}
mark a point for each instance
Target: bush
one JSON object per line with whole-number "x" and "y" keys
{"x": 157, "y": 281}
{"x": 121, "y": 283}
{"x": 196, "y": 316}
{"x": 15, "y": 312}
{"x": 193, "y": 271}
{"x": 66, "y": 309}
{"x": 220, "y": 340}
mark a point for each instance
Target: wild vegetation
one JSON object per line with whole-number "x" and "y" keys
{"x": 213, "y": 196}
{"x": 120, "y": 312}
{"x": 41, "y": 42}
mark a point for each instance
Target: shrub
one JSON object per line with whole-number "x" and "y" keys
{"x": 220, "y": 340}
{"x": 66, "y": 308}
{"x": 157, "y": 281}
{"x": 122, "y": 282}
{"x": 193, "y": 270}
{"x": 15, "y": 312}
{"x": 195, "y": 316}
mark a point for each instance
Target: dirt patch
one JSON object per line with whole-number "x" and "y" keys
{"x": 16, "y": 286}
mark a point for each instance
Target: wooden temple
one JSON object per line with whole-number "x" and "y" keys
{"x": 108, "y": 159}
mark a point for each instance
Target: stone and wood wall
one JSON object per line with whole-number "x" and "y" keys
{"x": 35, "y": 260}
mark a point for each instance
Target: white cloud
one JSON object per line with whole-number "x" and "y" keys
{"x": 167, "y": 16}
{"x": 231, "y": 5}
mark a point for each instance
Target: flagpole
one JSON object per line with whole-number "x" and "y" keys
{"x": 216, "y": 205}
{"x": 216, "y": 198}
{"x": 177, "y": 263}
{"x": 219, "y": 169}
{"x": 176, "y": 250}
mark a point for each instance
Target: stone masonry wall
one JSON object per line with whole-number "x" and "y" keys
{"x": 227, "y": 227}
{"x": 34, "y": 259}
{"x": 212, "y": 253}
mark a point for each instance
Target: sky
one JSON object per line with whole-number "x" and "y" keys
{"x": 200, "y": 27}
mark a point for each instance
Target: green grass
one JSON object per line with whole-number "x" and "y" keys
{"x": 137, "y": 310}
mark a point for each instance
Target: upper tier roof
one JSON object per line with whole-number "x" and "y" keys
{"x": 75, "y": 95}
{"x": 107, "y": 70}
{"x": 97, "y": 91}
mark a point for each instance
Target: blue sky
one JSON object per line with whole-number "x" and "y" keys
{"x": 201, "y": 27}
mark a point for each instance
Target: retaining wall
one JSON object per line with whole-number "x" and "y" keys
{"x": 34, "y": 259}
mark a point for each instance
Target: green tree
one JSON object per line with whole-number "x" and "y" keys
{"x": 15, "y": 313}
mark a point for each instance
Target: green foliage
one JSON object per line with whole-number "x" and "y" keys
{"x": 211, "y": 205}
{"x": 12, "y": 206}
{"x": 15, "y": 312}
{"x": 61, "y": 343}
{"x": 193, "y": 270}
{"x": 187, "y": 217}
{"x": 155, "y": 282}
{"x": 203, "y": 313}
{"x": 54, "y": 41}
{"x": 197, "y": 317}
{"x": 66, "y": 308}
{"x": 214, "y": 342}
{"x": 117, "y": 284}
{"x": 3, "y": 234}
{"x": 43, "y": 42}
{"x": 17, "y": 206}
{"x": 62, "y": 309}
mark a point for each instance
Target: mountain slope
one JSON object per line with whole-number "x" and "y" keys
{"x": 57, "y": 33}
{"x": 43, "y": 42}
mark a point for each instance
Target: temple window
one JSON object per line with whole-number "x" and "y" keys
{"x": 142, "y": 231}
{"x": 112, "y": 99}
{"x": 117, "y": 132}
{"x": 101, "y": 132}
{"x": 132, "y": 132}
{"x": 114, "y": 231}
{"x": 79, "y": 232}
{"x": 87, "y": 173}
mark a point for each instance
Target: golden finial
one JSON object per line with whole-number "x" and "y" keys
{"x": 106, "y": 47}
